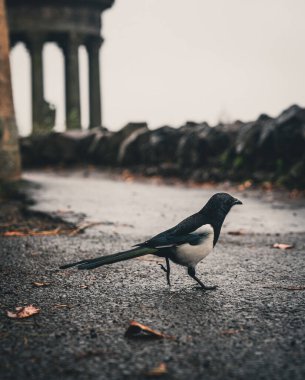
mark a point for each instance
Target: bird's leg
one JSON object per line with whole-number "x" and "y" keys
{"x": 167, "y": 270}
{"x": 191, "y": 272}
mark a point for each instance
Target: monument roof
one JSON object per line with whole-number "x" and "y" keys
{"x": 99, "y": 4}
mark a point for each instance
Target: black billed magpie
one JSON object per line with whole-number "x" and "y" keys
{"x": 185, "y": 244}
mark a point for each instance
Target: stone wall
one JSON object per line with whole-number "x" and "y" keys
{"x": 267, "y": 149}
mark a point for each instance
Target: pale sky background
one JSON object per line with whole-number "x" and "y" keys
{"x": 168, "y": 61}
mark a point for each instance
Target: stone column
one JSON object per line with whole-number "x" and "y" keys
{"x": 9, "y": 147}
{"x": 72, "y": 82}
{"x": 93, "y": 48}
{"x": 35, "y": 46}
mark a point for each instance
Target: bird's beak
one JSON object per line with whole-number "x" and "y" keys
{"x": 237, "y": 202}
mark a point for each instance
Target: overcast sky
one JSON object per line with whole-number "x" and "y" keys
{"x": 168, "y": 61}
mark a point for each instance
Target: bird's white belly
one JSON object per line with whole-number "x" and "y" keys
{"x": 190, "y": 255}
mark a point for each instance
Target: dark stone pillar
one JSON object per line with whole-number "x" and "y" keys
{"x": 72, "y": 82}
{"x": 35, "y": 46}
{"x": 93, "y": 48}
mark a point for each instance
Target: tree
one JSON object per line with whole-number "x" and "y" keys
{"x": 10, "y": 167}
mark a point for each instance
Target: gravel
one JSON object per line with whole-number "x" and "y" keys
{"x": 251, "y": 327}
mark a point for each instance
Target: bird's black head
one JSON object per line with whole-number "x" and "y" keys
{"x": 221, "y": 202}
{"x": 216, "y": 209}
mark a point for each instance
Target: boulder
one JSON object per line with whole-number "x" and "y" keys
{"x": 272, "y": 144}
{"x": 106, "y": 147}
{"x": 202, "y": 145}
{"x": 290, "y": 134}
{"x": 161, "y": 146}
{"x": 129, "y": 152}
{"x": 98, "y": 151}
{"x": 56, "y": 148}
{"x": 254, "y": 146}
{"x": 191, "y": 150}
{"x": 146, "y": 147}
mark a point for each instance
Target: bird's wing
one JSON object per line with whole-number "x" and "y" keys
{"x": 170, "y": 239}
{"x": 184, "y": 232}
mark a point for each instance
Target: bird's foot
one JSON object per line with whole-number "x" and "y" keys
{"x": 167, "y": 271}
{"x": 163, "y": 268}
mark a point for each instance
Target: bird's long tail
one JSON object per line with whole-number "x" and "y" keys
{"x": 110, "y": 259}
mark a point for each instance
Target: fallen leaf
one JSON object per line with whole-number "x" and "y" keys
{"x": 137, "y": 330}
{"x": 245, "y": 185}
{"x": 83, "y": 227}
{"x": 83, "y": 286}
{"x": 230, "y": 332}
{"x": 282, "y": 246}
{"x": 159, "y": 370}
{"x": 40, "y": 284}
{"x": 56, "y": 231}
{"x": 128, "y": 176}
{"x": 23, "y": 312}
{"x": 237, "y": 232}
{"x": 13, "y": 233}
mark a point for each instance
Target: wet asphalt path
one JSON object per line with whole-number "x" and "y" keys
{"x": 251, "y": 327}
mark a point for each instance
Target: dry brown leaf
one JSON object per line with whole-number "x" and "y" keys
{"x": 23, "y": 312}
{"x": 159, "y": 370}
{"x": 237, "y": 232}
{"x": 230, "y": 332}
{"x": 13, "y": 233}
{"x": 57, "y": 231}
{"x": 244, "y": 186}
{"x": 128, "y": 176}
{"x": 40, "y": 284}
{"x": 137, "y": 330}
{"x": 282, "y": 246}
{"x": 54, "y": 232}
{"x": 83, "y": 227}
{"x": 83, "y": 286}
